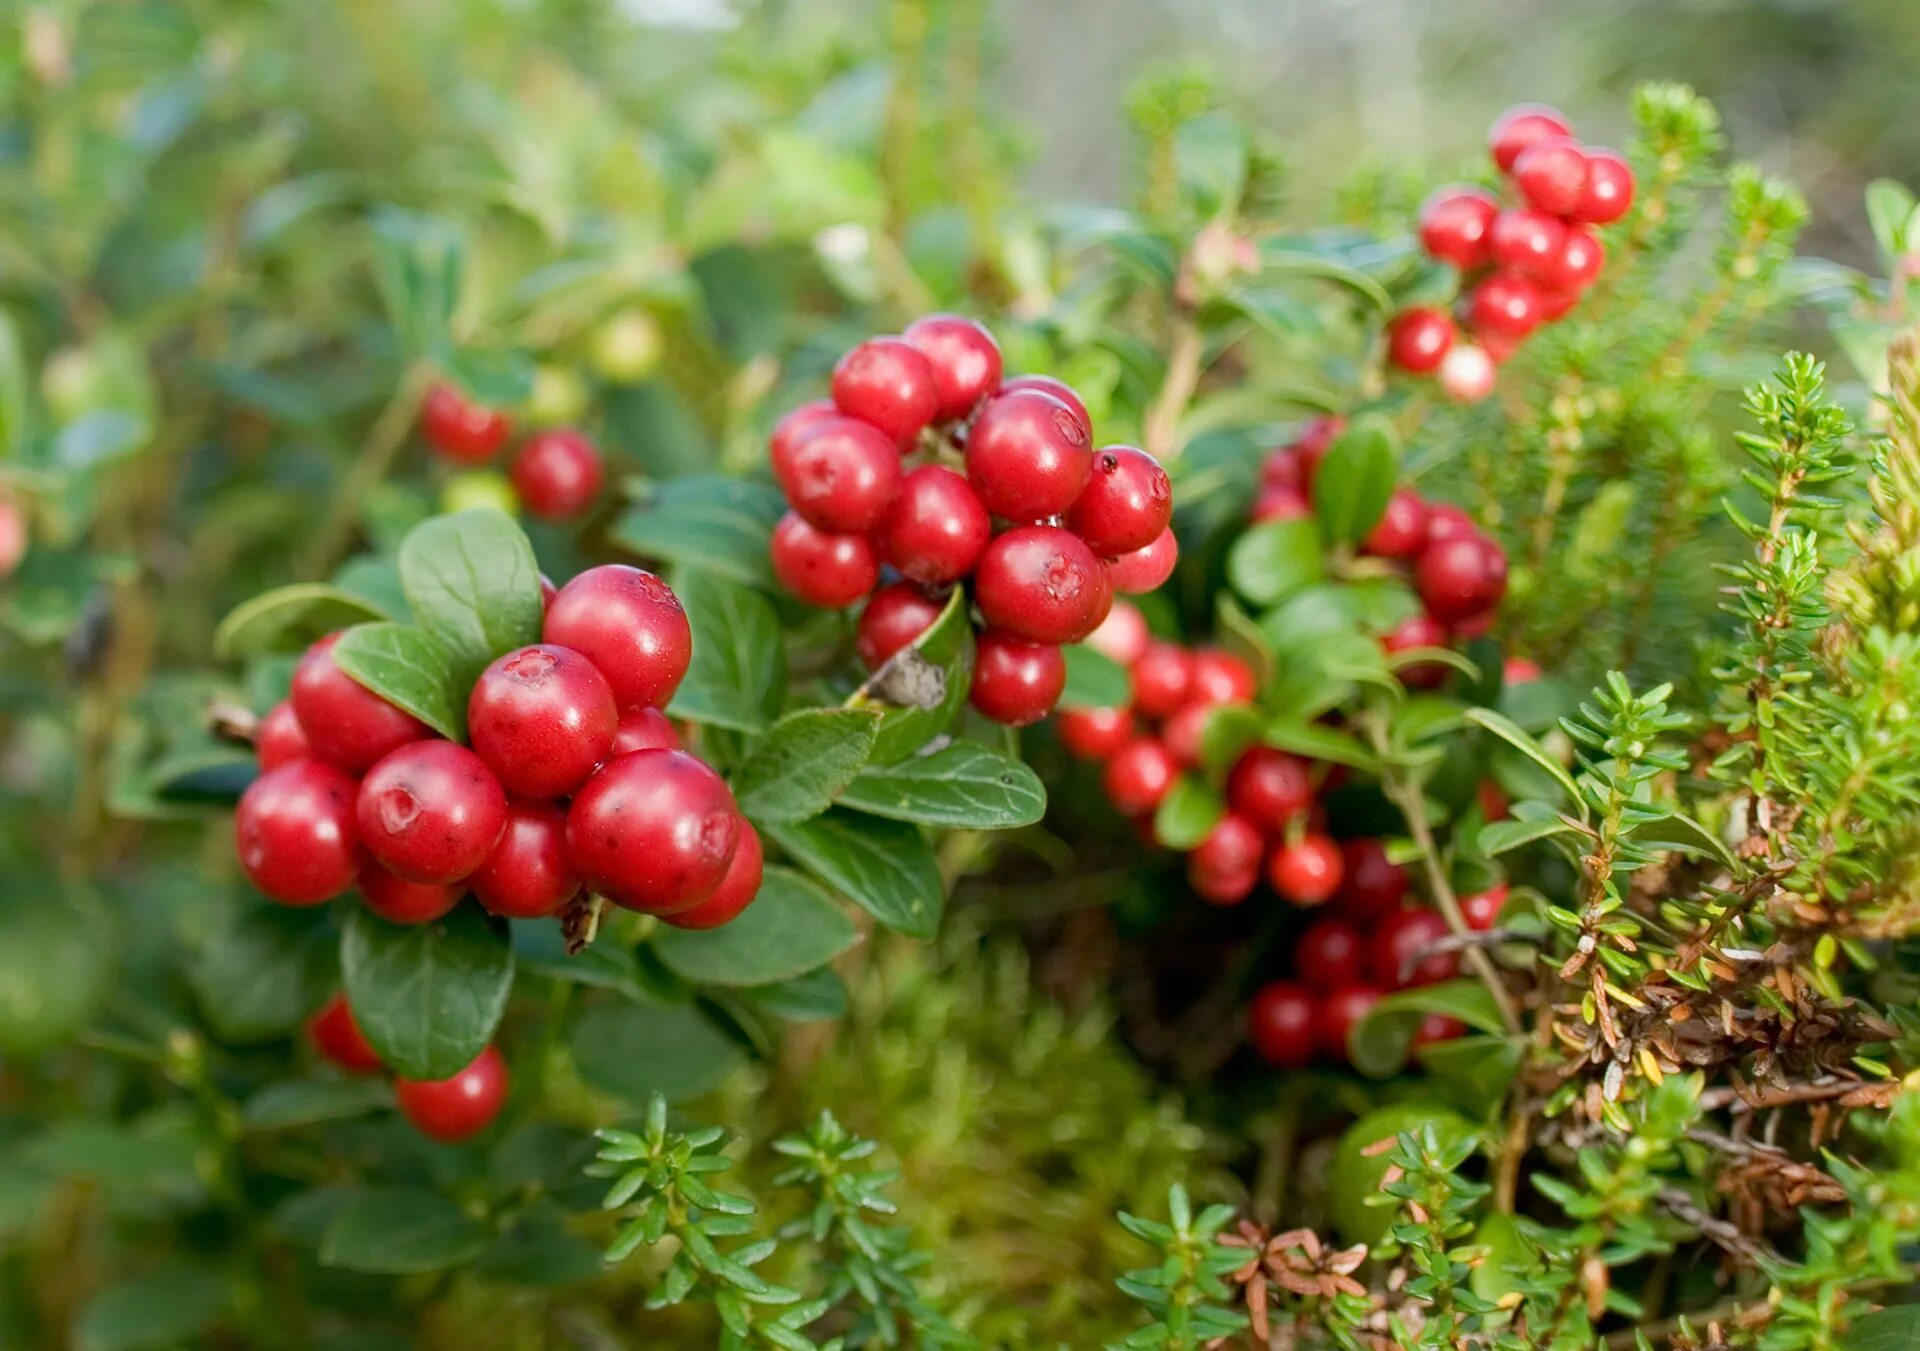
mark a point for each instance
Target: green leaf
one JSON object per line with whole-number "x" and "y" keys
{"x": 923, "y": 686}
{"x": 306, "y": 1102}
{"x": 1355, "y": 479}
{"x": 263, "y": 974}
{"x": 417, "y": 261}
{"x": 1187, "y": 814}
{"x": 169, "y": 1306}
{"x": 1379, "y": 1042}
{"x": 707, "y": 521}
{"x": 634, "y": 1051}
{"x": 791, "y": 928}
{"x": 1890, "y": 207}
{"x": 960, "y": 786}
{"x": 1094, "y": 680}
{"x": 1680, "y": 832}
{"x": 884, "y": 867}
{"x": 288, "y": 618}
{"x": 1500, "y": 837}
{"x": 818, "y": 996}
{"x": 408, "y": 669}
{"x": 1508, "y": 731}
{"x": 739, "y": 665}
{"x": 1274, "y": 559}
{"x": 804, "y": 762}
{"x": 1228, "y": 731}
{"x": 1318, "y": 742}
{"x": 13, "y": 391}
{"x": 474, "y": 587}
{"x": 56, "y": 963}
{"x": 399, "y": 1231}
{"x": 1210, "y": 162}
{"x": 427, "y": 996}
{"x": 1296, "y": 262}
{"x": 1475, "y": 1071}
{"x": 1891, "y": 1329}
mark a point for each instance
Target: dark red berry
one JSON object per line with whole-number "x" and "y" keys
{"x": 1576, "y": 264}
{"x": 1339, "y": 1012}
{"x": 653, "y": 831}
{"x": 936, "y": 529}
{"x": 1058, "y": 389}
{"x": 627, "y": 622}
{"x": 1144, "y": 570}
{"x": 841, "y": 474}
{"x": 1552, "y": 175}
{"x": 1505, "y": 305}
{"x": 1094, "y": 733}
{"x": 1280, "y": 502}
{"x": 346, "y": 723}
{"x": 461, "y": 430}
{"x": 557, "y": 474}
{"x": 1221, "y": 678}
{"x": 541, "y": 717}
{"x": 831, "y": 571}
{"x": 1042, "y": 583}
{"x": 643, "y": 729}
{"x": 337, "y": 1037}
{"x": 1027, "y": 455}
{"x": 1458, "y": 578}
{"x": 1139, "y": 775}
{"x": 1162, "y": 679}
{"x": 790, "y": 428}
{"x": 1524, "y": 241}
{"x": 1282, "y": 1023}
{"x": 1122, "y": 635}
{"x": 1182, "y": 732}
{"x": 888, "y": 383}
{"x": 895, "y": 616}
{"x": 1328, "y": 954}
{"x": 964, "y": 358}
{"x": 280, "y": 738}
{"x": 1127, "y": 502}
{"x": 402, "y": 902}
{"x": 1417, "y": 631}
{"x": 1418, "y": 339}
{"x": 1269, "y": 788}
{"x": 1401, "y": 531}
{"x": 1400, "y": 955}
{"x": 1446, "y": 521}
{"x": 526, "y": 874}
{"x": 1434, "y": 1028}
{"x": 1015, "y": 681}
{"x": 1453, "y": 225}
{"x": 456, "y": 1109}
{"x": 1482, "y": 909}
{"x": 1282, "y": 469}
{"x": 1523, "y": 126}
{"x": 1307, "y": 871}
{"x": 1224, "y": 868}
{"x": 294, "y": 832}
{"x": 1609, "y": 189}
{"x": 430, "y": 811}
{"x": 1371, "y": 885}
{"x": 736, "y": 891}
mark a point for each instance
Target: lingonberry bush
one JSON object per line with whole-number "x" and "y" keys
{"x": 1309, "y": 784}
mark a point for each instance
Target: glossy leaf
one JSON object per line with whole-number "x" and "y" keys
{"x": 409, "y": 670}
{"x": 791, "y": 928}
{"x": 473, "y": 586}
{"x": 427, "y": 996}
{"x": 804, "y": 762}
{"x": 884, "y": 867}
{"x": 960, "y": 786}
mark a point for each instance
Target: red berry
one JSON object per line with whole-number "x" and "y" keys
{"x": 1437, "y": 1027}
{"x": 557, "y": 474}
{"x": 1280, "y": 502}
{"x": 346, "y": 723}
{"x": 888, "y": 383}
{"x": 1446, "y": 521}
{"x": 895, "y": 616}
{"x": 1015, "y": 681}
{"x": 455, "y": 1109}
{"x": 294, "y": 832}
{"x": 1527, "y": 242}
{"x": 1059, "y": 389}
{"x": 541, "y": 717}
{"x": 1523, "y": 126}
{"x": 1306, "y": 872}
{"x": 1043, "y": 583}
{"x": 1493, "y": 803}
{"x": 1554, "y": 306}
{"x": 1466, "y": 375}
{"x": 1328, "y": 954}
{"x": 1575, "y": 264}
{"x": 1269, "y": 788}
{"x": 1519, "y": 671}
{"x": 1225, "y": 867}
{"x": 1454, "y": 223}
{"x": 1094, "y": 733}
{"x": 1122, "y": 635}
{"x": 841, "y": 475}
{"x": 15, "y": 535}
{"x": 1281, "y": 1023}
{"x": 402, "y": 902}
{"x": 1181, "y": 733}
{"x": 1162, "y": 678}
{"x": 1396, "y": 955}
{"x": 1221, "y": 678}
{"x": 1144, "y": 570}
{"x": 1401, "y": 531}
{"x": 1418, "y": 340}
{"x": 936, "y": 529}
{"x": 1282, "y": 469}
{"x": 1416, "y": 631}
{"x": 1339, "y": 1012}
{"x": 736, "y": 890}
{"x": 964, "y": 358}
{"x": 789, "y": 429}
{"x": 1139, "y": 775}
{"x": 653, "y": 831}
{"x": 1552, "y": 175}
{"x": 1482, "y": 909}
{"x": 526, "y": 874}
{"x": 431, "y": 811}
{"x": 337, "y": 1037}
{"x": 831, "y": 571}
{"x": 280, "y": 738}
{"x": 1609, "y": 190}
{"x": 643, "y": 729}
{"x": 627, "y": 622}
{"x": 1313, "y": 442}
{"x": 1371, "y": 884}
{"x": 1458, "y": 578}
{"x": 1506, "y": 305}
{"x": 1027, "y": 455}
{"x": 1127, "y": 502}
{"x": 468, "y": 432}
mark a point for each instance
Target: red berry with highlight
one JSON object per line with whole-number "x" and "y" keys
{"x": 627, "y": 622}
{"x": 736, "y": 891}
{"x": 1505, "y": 305}
{"x": 1094, "y": 733}
{"x": 1458, "y": 578}
{"x": 1282, "y": 1023}
{"x": 1122, "y": 635}
{"x": 643, "y": 729}
{"x": 1059, "y": 389}
{"x": 346, "y": 723}
{"x": 790, "y": 428}
{"x": 1306, "y": 871}
{"x": 399, "y": 901}
{"x": 294, "y": 832}
{"x": 1224, "y": 868}
{"x": 557, "y": 474}
{"x": 1328, "y": 954}
{"x": 1401, "y": 531}
{"x": 888, "y": 383}
{"x": 1146, "y": 569}
{"x": 1399, "y": 953}
{"x": 1269, "y": 788}
{"x": 831, "y": 571}
{"x": 964, "y": 358}
{"x": 936, "y": 529}
{"x": 459, "y": 429}
{"x": 1139, "y": 775}
{"x": 541, "y": 717}
{"x": 337, "y": 1037}
{"x": 1162, "y": 679}
{"x": 1371, "y": 884}
{"x": 429, "y": 812}
{"x": 1552, "y": 175}
{"x": 1482, "y": 909}
{"x": 1576, "y": 264}
{"x": 1609, "y": 188}
{"x": 1182, "y": 732}
{"x": 841, "y": 474}
{"x": 1339, "y": 1012}
{"x": 526, "y": 874}
{"x": 1219, "y": 677}
{"x": 1127, "y": 502}
{"x": 1522, "y": 127}
{"x": 895, "y": 616}
{"x": 653, "y": 831}
{"x": 450, "y": 1110}
{"x": 279, "y": 738}
{"x": 1028, "y": 455}
{"x": 1527, "y": 242}
{"x": 1015, "y": 681}
{"x": 1453, "y": 225}
{"x": 1418, "y": 339}
{"x": 1042, "y": 583}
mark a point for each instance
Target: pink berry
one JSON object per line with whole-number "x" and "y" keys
{"x": 1466, "y": 374}
{"x": 1122, "y": 635}
{"x": 1144, "y": 570}
{"x": 1094, "y": 733}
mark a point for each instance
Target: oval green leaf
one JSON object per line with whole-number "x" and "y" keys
{"x": 884, "y": 867}
{"x": 961, "y": 786}
{"x": 804, "y": 762}
{"x": 409, "y": 670}
{"x": 473, "y": 586}
{"x": 401, "y": 1231}
{"x": 739, "y": 666}
{"x": 427, "y": 996}
{"x": 922, "y": 687}
{"x": 791, "y": 928}
{"x": 288, "y": 618}
{"x": 1094, "y": 680}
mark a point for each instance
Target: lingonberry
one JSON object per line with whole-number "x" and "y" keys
{"x": 1371, "y": 884}
{"x": 1482, "y": 909}
{"x": 1282, "y": 469}
{"x": 459, "y": 429}
{"x": 643, "y": 729}
{"x": 1519, "y": 671}
{"x": 629, "y": 624}
{"x": 1269, "y": 788}
{"x": 1328, "y": 954}
{"x": 1094, "y": 733}
{"x": 402, "y": 902}
{"x": 1127, "y": 502}
{"x": 1220, "y": 678}
{"x": 735, "y": 892}
{"x": 1525, "y": 241}
{"x": 1446, "y": 521}
{"x": 1139, "y": 775}
{"x": 1418, "y": 631}
{"x": 1224, "y": 868}
{"x": 459, "y": 1108}
{"x": 964, "y": 358}
{"x": 1434, "y": 1028}
{"x": 1466, "y": 374}
{"x": 526, "y": 874}
{"x": 1181, "y": 733}
{"x": 653, "y": 831}
{"x": 1337, "y": 1014}
{"x": 1575, "y": 264}
{"x": 1305, "y": 871}
{"x": 831, "y": 571}
{"x": 1016, "y": 681}
{"x": 895, "y": 616}
{"x": 1457, "y": 578}
{"x": 294, "y": 832}
{"x": 936, "y": 529}
{"x": 1122, "y": 635}
{"x": 1027, "y": 455}
{"x": 789, "y": 429}
{"x": 1058, "y": 389}
{"x": 280, "y": 737}
{"x": 1555, "y": 306}
{"x": 1493, "y": 802}
{"x": 1281, "y": 1024}
{"x": 1401, "y": 531}
{"x": 541, "y": 717}
{"x": 15, "y": 535}
{"x": 1609, "y": 190}
{"x": 1506, "y": 305}
{"x": 1315, "y": 439}
{"x": 1162, "y": 678}
{"x": 557, "y": 474}
{"x": 1453, "y": 225}
{"x": 1043, "y": 583}
{"x": 346, "y": 723}
{"x": 431, "y": 811}
{"x": 1401, "y": 953}
{"x": 337, "y": 1037}
{"x": 1418, "y": 339}
{"x": 1522, "y": 127}
{"x": 841, "y": 474}
{"x": 1143, "y": 570}
{"x": 1280, "y": 502}
{"x": 890, "y": 384}
{"x": 1552, "y": 175}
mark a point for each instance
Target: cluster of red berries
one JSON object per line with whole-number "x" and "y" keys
{"x": 573, "y": 779}
{"x": 1528, "y": 263}
{"x": 927, "y": 470}
{"x": 556, "y": 473}
{"x": 448, "y": 1110}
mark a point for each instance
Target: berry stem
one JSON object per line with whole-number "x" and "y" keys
{"x": 1160, "y": 430}
{"x": 383, "y": 442}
